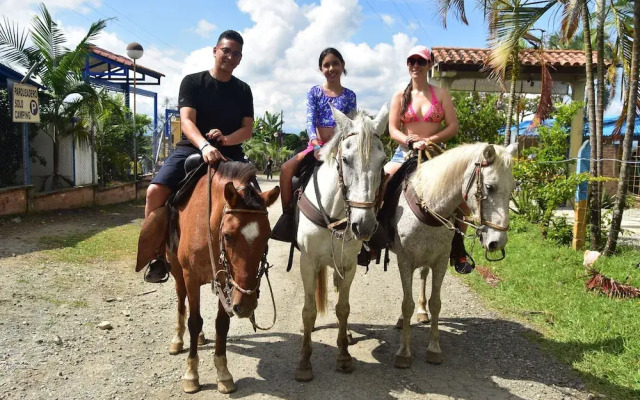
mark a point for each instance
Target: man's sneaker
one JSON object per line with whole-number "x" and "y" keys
{"x": 157, "y": 271}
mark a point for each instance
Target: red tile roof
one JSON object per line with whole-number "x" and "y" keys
{"x": 123, "y": 60}
{"x": 470, "y": 56}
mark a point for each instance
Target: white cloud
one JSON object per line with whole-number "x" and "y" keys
{"x": 204, "y": 29}
{"x": 280, "y": 60}
{"x": 387, "y": 19}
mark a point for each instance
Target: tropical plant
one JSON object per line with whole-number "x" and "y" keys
{"x": 544, "y": 180}
{"x": 59, "y": 70}
{"x": 479, "y": 118}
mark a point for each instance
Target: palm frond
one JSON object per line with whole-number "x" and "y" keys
{"x": 509, "y": 22}
{"x": 455, "y": 6}
{"x": 545, "y": 106}
{"x": 12, "y": 44}
{"x": 571, "y": 17}
{"x": 47, "y": 36}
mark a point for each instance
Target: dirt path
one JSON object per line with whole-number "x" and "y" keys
{"x": 50, "y": 347}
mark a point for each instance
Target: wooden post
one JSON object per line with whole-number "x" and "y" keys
{"x": 580, "y": 209}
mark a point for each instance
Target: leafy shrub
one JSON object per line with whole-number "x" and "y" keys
{"x": 560, "y": 231}
{"x": 543, "y": 177}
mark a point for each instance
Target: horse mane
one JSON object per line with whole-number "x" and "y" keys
{"x": 241, "y": 174}
{"x": 365, "y": 136}
{"x": 450, "y": 166}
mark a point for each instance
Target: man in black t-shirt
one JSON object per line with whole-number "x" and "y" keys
{"x": 215, "y": 108}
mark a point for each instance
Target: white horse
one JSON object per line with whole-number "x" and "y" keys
{"x": 478, "y": 173}
{"x": 348, "y": 185}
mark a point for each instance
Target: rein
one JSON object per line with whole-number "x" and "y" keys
{"x": 339, "y": 228}
{"x": 477, "y": 222}
{"x": 223, "y": 290}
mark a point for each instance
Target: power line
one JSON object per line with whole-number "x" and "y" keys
{"x": 381, "y": 19}
{"x": 418, "y": 19}
{"x": 151, "y": 35}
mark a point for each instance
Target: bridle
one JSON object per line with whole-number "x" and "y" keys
{"x": 339, "y": 228}
{"x": 478, "y": 221}
{"x": 223, "y": 283}
{"x": 375, "y": 204}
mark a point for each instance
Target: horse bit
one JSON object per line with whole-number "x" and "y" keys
{"x": 223, "y": 290}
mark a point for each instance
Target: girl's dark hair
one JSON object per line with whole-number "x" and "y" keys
{"x": 331, "y": 50}
{"x": 406, "y": 98}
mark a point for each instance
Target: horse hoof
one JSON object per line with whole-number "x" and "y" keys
{"x": 345, "y": 366}
{"x": 226, "y": 387}
{"x": 201, "y": 339}
{"x": 434, "y": 358}
{"x": 399, "y": 323}
{"x": 190, "y": 385}
{"x": 423, "y": 318}
{"x": 303, "y": 375}
{"x": 402, "y": 361}
{"x": 176, "y": 348}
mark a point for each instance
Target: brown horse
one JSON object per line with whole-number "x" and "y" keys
{"x": 234, "y": 241}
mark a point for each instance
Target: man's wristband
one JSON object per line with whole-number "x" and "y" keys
{"x": 317, "y": 147}
{"x": 203, "y": 146}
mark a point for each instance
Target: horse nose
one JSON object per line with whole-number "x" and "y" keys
{"x": 354, "y": 228}
{"x": 493, "y": 246}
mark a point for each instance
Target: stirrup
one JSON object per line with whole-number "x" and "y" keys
{"x": 155, "y": 268}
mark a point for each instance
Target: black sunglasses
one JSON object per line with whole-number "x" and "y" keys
{"x": 417, "y": 60}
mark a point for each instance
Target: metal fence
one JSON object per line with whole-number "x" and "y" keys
{"x": 11, "y": 154}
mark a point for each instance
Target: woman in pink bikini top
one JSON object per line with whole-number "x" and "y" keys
{"x": 418, "y": 111}
{"x": 415, "y": 119}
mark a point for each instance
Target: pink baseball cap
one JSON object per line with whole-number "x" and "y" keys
{"x": 420, "y": 51}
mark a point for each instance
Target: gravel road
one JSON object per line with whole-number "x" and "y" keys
{"x": 51, "y": 346}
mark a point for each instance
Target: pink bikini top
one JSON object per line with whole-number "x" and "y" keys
{"x": 434, "y": 114}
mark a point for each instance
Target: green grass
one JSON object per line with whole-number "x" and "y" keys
{"x": 543, "y": 284}
{"x": 111, "y": 244}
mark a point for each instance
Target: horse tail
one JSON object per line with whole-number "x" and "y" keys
{"x": 321, "y": 291}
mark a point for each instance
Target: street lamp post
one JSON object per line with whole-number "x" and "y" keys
{"x": 135, "y": 51}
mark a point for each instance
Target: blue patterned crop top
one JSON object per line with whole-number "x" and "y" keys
{"x": 319, "y": 112}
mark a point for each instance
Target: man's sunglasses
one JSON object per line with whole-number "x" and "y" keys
{"x": 227, "y": 51}
{"x": 417, "y": 60}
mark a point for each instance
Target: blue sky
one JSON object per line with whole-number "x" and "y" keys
{"x": 282, "y": 41}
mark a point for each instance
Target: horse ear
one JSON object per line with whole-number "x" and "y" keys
{"x": 340, "y": 118}
{"x": 489, "y": 153}
{"x": 512, "y": 149}
{"x": 381, "y": 120}
{"x": 231, "y": 194}
{"x": 271, "y": 196}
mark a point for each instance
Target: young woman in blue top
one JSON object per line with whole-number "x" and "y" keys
{"x": 320, "y": 127}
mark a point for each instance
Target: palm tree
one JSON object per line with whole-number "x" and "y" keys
{"x": 59, "y": 70}
{"x": 632, "y": 112}
{"x": 509, "y": 24}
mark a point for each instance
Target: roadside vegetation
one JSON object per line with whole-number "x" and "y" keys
{"x": 543, "y": 284}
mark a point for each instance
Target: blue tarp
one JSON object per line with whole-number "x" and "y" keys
{"x": 608, "y": 123}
